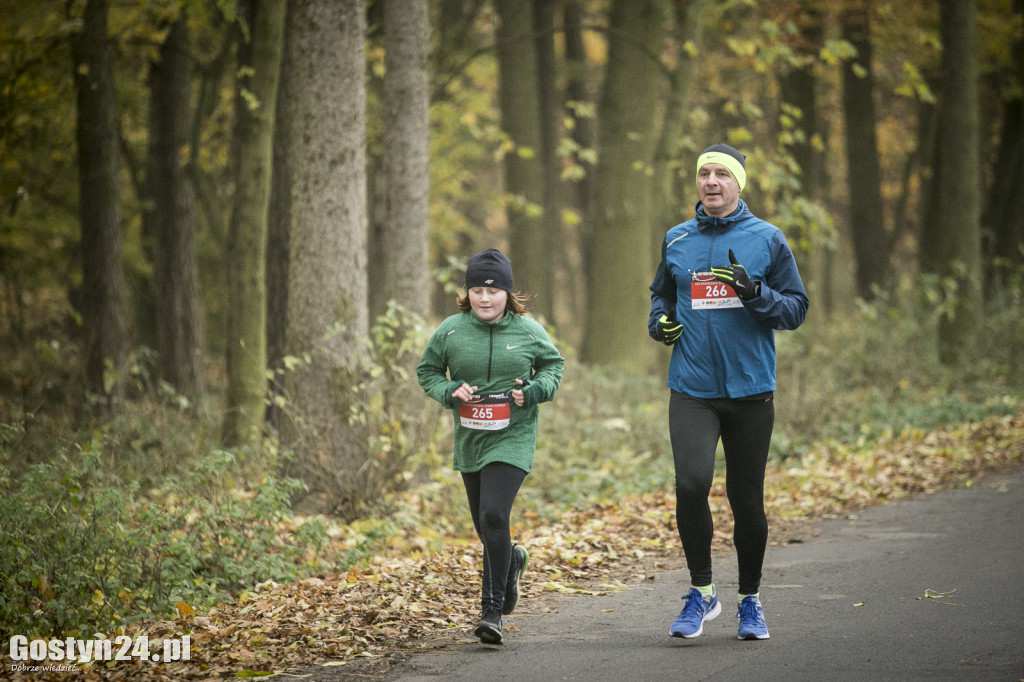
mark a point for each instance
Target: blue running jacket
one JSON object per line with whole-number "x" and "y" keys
{"x": 727, "y": 348}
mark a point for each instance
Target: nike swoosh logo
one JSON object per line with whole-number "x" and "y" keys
{"x": 508, "y": 347}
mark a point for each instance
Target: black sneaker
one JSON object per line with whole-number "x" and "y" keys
{"x": 489, "y": 628}
{"x": 520, "y": 557}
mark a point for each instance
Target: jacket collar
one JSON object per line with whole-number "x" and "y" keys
{"x": 705, "y": 221}
{"x": 485, "y": 325}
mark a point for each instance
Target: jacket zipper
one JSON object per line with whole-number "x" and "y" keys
{"x": 712, "y": 337}
{"x": 490, "y": 352}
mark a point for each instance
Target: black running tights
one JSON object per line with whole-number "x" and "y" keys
{"x": 491, "y": 492}
{"x": 745, "y": 428}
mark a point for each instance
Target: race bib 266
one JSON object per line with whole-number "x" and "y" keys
{"x": 706, "y": 292}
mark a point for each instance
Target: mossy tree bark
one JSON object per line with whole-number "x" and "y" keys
{"x": 623, "y": 263}
{"x": 247, "y": 231}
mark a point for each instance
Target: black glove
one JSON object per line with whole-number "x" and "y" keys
{"x": 668, "y": 330}
{"x": 736, "y": 276}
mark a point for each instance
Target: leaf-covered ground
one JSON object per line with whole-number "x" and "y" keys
{"x": 363, "y": 619}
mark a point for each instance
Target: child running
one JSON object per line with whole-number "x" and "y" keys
{"x": 492, "y": 366}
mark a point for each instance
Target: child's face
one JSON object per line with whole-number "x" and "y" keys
{"x": 488, "y": 303}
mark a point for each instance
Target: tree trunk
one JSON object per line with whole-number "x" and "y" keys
{"x": 672, "y": 170}
{"x": 580, "y": 98}
{"x": 798, "y": 85}
{"x": 867, "y": 229}
{"x": 278, "y": 239}
{"x": 174, "y": 220}
{"x": 247, "y": 232}
{"x": 453, "y": 26}
{"x": 405, "y": 163}
{"x": 520, "y": 118}
{"x": 951, "y": 237}
{"x": 1004, "y": 210}
{"x": 623, "y": 264}
{"x": 578, "y": 240}
{"x": 103, "y": 304}
{"x": 327, "y": 288}
{"x": 549, "y": 108}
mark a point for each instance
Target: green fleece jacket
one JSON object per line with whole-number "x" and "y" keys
{"x": 465, "y": 349}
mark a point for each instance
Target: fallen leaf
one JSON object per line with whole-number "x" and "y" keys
{"x": 935, "y": 596}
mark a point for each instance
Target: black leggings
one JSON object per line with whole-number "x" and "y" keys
{"x": 745, "y": 427}
{"x": 491, "y": 492}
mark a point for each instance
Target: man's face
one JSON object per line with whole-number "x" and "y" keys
{"x": 718, "y": 190}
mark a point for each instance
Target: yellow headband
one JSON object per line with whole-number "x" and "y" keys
{"x": 730, "y": 162}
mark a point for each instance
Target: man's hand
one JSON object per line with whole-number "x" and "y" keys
{"x": 668, "y": 330}
{"x": 736, "y": 276}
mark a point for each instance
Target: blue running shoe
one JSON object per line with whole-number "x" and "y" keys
{"x": 751, "y": 617}
{"x": 698, "y": 609}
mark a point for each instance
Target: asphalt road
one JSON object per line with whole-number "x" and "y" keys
{"x": 850, "y": 603}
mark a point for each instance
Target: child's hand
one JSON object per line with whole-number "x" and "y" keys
{"x": 464, "y": 392}
{"x": 517, "y": 394}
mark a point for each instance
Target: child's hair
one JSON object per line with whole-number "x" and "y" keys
{"x": 515, "y": 303}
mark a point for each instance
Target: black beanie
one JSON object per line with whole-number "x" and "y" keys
{"x": 489, "y": 268}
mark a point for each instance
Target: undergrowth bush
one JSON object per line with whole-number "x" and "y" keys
{"x": 875, "y": 371}
{"x": 604, "y": 436}
{"x": 83, "y": 551}
{"x": 384, "y": 409}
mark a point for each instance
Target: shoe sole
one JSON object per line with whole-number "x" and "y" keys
{"x": 488, "y": 635}
{"x": 711, "y": 615}
{"x": 508, "y": 608}
{"x": 753, "y": 637}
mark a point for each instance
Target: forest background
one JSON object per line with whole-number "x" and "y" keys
{"x": 229, "y": 225}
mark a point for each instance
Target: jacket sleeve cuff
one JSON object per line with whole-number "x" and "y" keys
{"x": 530, "y": 396}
